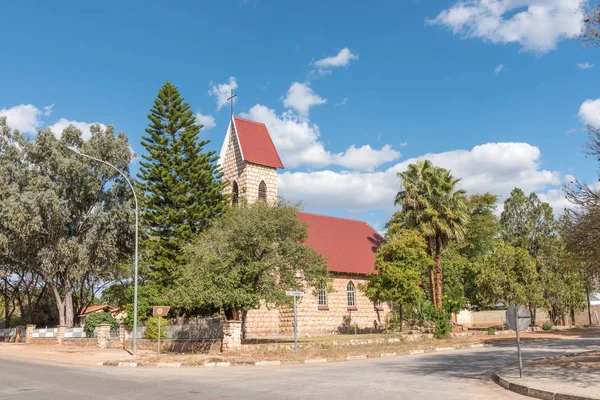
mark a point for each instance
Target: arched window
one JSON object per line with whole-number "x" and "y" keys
{"x": 350, "y": 295}
{"x": 262, "y": 190}
{"x": 322, "y": 294}
{"x": 235, "y": 193}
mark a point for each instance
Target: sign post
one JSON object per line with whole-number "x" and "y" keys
{"x": 295, "y": 294}
{"x": 518, "y": 319}
{"x": 159, "y": 311}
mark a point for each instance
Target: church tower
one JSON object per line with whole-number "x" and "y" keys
{"x": 249, "y": 161}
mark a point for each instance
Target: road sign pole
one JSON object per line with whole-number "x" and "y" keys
{"x": 519, "y": 343}
{"x": 295, "y": 330}
{"x": 159, "y": 336}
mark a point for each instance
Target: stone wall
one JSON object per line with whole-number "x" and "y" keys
{"x": 582, "y": 317}
{"x": 313, "y": 319}
{"x": 247, "y": 175}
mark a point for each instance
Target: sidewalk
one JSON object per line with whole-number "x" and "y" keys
{"x": 63, "y": 354}
{"x": 575, "y": 375}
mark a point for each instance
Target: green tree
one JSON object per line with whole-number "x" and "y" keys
{"x": 526, "y": 221}
{"x": 431, "y": 203}
{"x": 509, "y": 275}
{"x": 95, "y": 319}
{"x": 400, "y": 262}
{"x": 64, "y": 218}
{"x": 180, "y": 182}
{"x": 253, "y": 253}
{"x": 563, "y": 284}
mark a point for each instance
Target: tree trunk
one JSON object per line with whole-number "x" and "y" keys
{"x": 432, "y": 285}
{"x": 69, "y": 317}
{"x": 244, "y": 315}
{"x": 589, "y": 304}
{"x": 59, "y": 305}
{"x": 438, "y": 270}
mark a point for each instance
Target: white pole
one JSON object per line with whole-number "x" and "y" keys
{"x": 135, "y": 281}
{"x": 518, "y": 341}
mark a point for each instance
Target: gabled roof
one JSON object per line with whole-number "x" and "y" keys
{"x": 97, "y": 308}
{"x": 255, "y": 143}
{"x": 348, "y": 245}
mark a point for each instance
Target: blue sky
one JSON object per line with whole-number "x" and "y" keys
{"x": 350, "y": 94}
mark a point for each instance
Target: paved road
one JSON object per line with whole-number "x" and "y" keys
{"x": 460, "y": 374}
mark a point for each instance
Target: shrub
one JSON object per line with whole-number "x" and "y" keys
{"x": 547, "y": 326}
{"x": 491, "y": 331}
{"x": 443, "y": 327}
{"x": 95, "y": 319}
{"x": 151, "y": 331}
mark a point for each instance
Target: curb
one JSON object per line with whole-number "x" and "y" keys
{"x": 291, "y": 362}
{"x": 535, "y": 393}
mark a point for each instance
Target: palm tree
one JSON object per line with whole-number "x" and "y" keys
{"x": 431, "y": 203}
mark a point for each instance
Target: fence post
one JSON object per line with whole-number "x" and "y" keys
{"x": 29, "y": 333}
{"x": 60, "y": 333}
{"x": 103, "y": 335}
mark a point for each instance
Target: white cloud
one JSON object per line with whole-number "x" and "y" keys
{"x": 341, "y": 59}
{"x": 499, "y": 69}
{"x": 585, "y": 65}
{"x": 571, "y": 131}
{"x": 365, "y": 158}
{"x": 58, "y": 127}
{"x": 297, "y": 141}
{"x": 27, "y": 118}
{"x": 589, "y": 112}
{"x": 301, "y": 98}
{"x": 537, "y": 25}
{"x": 493, "y": 167}
{"x": 222, "y": 91}
{"x": 207, "y": 120}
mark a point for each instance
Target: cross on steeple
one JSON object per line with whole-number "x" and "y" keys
{"x": 230, "y": 99}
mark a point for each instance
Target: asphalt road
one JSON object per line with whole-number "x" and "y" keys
{"x": 460, "y": 374}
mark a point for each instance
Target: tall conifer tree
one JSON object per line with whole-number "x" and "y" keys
{"x": 180, "y": 182}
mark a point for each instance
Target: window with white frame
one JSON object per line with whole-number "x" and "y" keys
{"x": 377, "y": 304}
{"x": 350, "y": 295}
{"x": 322, "y": 294}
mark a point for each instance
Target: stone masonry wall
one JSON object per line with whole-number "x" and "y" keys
{"x": 247, "y": 175}
{"x": 233, "y": 165}
{"x": 336, "y": 317}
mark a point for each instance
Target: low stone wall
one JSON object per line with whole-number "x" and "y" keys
{"x": 582, "y": 317}
{"x": 179, "y": 346}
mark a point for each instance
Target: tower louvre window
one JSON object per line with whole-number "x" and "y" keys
{"x": 235, "y": 193}
{"x": 262, "y": 190}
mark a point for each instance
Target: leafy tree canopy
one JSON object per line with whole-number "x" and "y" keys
{"x": 253, "y": 253}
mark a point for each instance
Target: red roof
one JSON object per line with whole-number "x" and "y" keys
{"x": 348, "y": 245}
{"x": 97, "y": 308}
{"x": 256, "y": 144}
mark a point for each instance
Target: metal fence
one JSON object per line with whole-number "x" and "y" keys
{"x": 8, "y": 332}
{"x": 202, "y": 329}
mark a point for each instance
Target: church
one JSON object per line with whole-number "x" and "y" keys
{"x": 249, "y": 161}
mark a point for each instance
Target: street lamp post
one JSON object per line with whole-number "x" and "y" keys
{"x": 135, "y": 281}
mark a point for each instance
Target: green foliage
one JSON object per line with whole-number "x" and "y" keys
{"x": 562, "y": 282}
{"x": 491, "y": 331}
{"x": 547, "y": 326}
{"x": 431, "y": 203}
{"x": 148, "y": 296}
{"x": 526, "y": 221}
{"x": 95, "y": 319}
{"x": 443, "y": 328}
{"x": 151, "y": 331}
{"x": 401, "y": 261}
{"x": 64, "y": 219}
{"x": 509, "y": 275}
{"x": 180, "y": 184}
{"x": 254, "y": 252}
